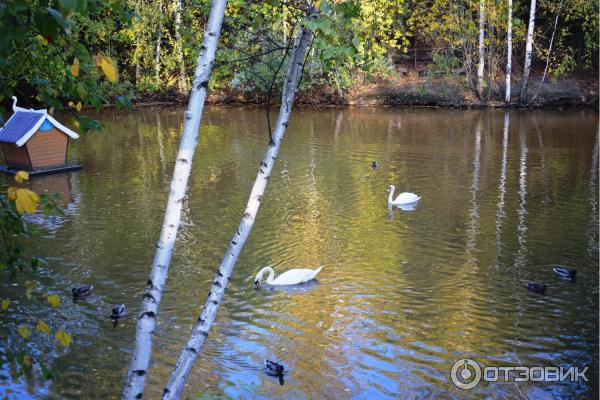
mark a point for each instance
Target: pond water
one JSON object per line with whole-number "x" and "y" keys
{"x": 402, "y": 294}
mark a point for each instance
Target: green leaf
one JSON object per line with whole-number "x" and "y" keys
{"x": 57, "y": 16}
{"x": 67, "y": 6}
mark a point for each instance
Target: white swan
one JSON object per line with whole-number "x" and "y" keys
{"x": 291, "y": 277}
{"x": 403, "y": 198}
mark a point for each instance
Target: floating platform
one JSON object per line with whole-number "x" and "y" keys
{"x": 42, "y": 171}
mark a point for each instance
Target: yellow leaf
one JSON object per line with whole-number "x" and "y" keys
{"x": 64, "y": 338}
{"x": 5, "y": 304}
{"x": 71, "y": 104}
{"x": 42, "y": 40}
{"x": 109, "y": 67}
{"x": 43, "y": 327}
{"x": 12, "y": 193}
{"x": 51, "y": 111}
{"x": 24, "y": 331}
{"x": 75, "y": 67}
{"x": 26, "y": 201}
{"x": 53, "y": 300}
{"x": 96, "y": 60}
{"x": 76, "y": 124}
{"x": 21, "y": 176}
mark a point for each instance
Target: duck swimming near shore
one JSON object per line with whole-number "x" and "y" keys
{"x": 564, "y": 272}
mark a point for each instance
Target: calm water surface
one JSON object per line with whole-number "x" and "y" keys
{"x": 402, "y": 295}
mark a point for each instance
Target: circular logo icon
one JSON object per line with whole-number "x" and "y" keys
{"x": 465, "y": 374}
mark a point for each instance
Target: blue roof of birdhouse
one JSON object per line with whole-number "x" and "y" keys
{"x": 23, "y": 124}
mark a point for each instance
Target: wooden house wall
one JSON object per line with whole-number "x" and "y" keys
{"x": 47, "y": 149}
{"x": 15, "y": 157}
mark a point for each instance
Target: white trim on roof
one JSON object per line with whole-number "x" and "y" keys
{"x": 35, "y": 128}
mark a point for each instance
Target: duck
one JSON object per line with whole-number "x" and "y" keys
{"x": 537, "y": 287}
{"x": 564, "y": 272}
{"x": 403, "y": 198}
{"x": 375, "y": 164}
{"x": 118, "y": 312}
{"x": 291, "y": 277}
{"x": 273, "y": 368}
{"x": 82, "y": 291}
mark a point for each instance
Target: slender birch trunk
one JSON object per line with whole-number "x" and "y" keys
{"x": 509, "y": 52}
{"x": 528, "y": 54}
{"x": 549, "y": 51}
{"x": 146, "y": 322}
{"x": 179, "y": 47}
{"x": 158, "y": 41}
{"x": 200, "y": 331}
{"x": 137, "y": 44}
{"x": 481, "y": 65}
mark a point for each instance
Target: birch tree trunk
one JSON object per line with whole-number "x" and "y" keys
{"x": 158, "y": 41}
{"x": 179, "y": 47}
{"x": 528, "y": 54}
{"x": 200, "y": 331}
{"x": 146, "y": 322}
{"x": 481, "y": 65}
{"x": 137, "y": 44}
{"x": 509, "y": 53}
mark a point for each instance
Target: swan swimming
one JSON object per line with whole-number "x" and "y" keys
{"x": 291, "y": 277}
{"x": 403, "y": 198}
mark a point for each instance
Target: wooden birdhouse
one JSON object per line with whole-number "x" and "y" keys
{"x": 33, "y": 141}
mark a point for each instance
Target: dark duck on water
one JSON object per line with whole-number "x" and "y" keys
{"x": 118, "y": 312}
{"x": 537, "y": 287}
{"x": 82, "y": 291}
{"x": 274, "y": 368}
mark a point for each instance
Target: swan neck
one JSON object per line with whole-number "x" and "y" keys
{"x": 271, "y": 276}
{"x": 391, "y": 197}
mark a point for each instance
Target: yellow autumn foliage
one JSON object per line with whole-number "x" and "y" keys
{"x": 75, "y": 67}
{"x": 108, "y": 67}
{"x": 21, "y": 176}
{"x": 53, "y": 300}
{"x": 23, "y": 331}
{"x": 43, "y": 327}
{"x": 26, "y": 200}
{"x": 64, "y": 338}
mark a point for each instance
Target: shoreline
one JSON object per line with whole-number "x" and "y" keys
{"x": 428, "y": 93}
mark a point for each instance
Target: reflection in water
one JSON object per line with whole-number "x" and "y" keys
{"x": 522, "y": 212}
{"x": 593, "y": 227}
{"x": 473, "y": 211}
{"x": 500, "y": 214}
{"x": 397, "y": 301}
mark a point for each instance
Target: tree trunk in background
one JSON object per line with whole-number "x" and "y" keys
{"x": 158, "y": 41}
{"x": 528, "y": 54}
{"x": 179, "y": 47}
{"x": 137, "y": 44}
{"x": 509, "y": 52}
{"x": 200, "y": 331}
{"x": 146, "y": 322}
{"x": 549, "y": 51}
{"x": 480, "y": 66}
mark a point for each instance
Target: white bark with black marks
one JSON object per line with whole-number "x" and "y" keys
{"x": 481, "y": 65}
{"x": 200, "y": 331}
{"x": 509, "y": 52}
{"x": 528, "y": 53}
{"x": 146, "y": 322}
